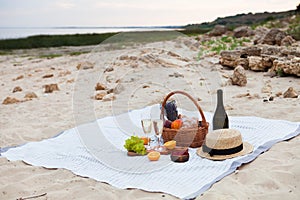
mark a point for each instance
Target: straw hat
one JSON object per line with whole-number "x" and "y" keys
{"x": 222, "y": 144}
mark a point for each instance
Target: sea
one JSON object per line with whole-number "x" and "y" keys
{"x": 23, "y": 32}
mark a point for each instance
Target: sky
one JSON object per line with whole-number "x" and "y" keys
{"x": 48, "y": 13}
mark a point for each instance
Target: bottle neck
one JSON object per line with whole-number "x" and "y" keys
{"x": 220, "y": 98}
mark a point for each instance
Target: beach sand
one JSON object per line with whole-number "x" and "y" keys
{"x": 140, "y": 76}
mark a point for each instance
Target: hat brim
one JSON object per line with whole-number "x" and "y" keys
{"x": 247, "y": 148}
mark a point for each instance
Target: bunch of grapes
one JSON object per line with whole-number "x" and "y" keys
{"x": 171, "y": 110}
{"x": 135, "y": 144}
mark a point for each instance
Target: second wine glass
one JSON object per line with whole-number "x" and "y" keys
{"x": 158, "y": 129}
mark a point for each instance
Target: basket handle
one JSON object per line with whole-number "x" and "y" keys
{"x": 204, "y": 123}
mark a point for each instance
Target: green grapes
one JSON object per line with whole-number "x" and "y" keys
{"x": 135, "y": 144}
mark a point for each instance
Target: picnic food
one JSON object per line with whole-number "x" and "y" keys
{"x": 153, "y": 156}
{"x": 171, "y": 110}
{"x": 193, "y": 134}
{"x": 135, "y": 144}
{"x": 145, "y": 139}
{"x": 176, "y": 124}
{"x": 167, "y": 124}
{"x": 170, "y": 144}
{"x": 180, "y": 154}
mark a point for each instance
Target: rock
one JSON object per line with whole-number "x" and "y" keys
{"x": 109, "y": 97}
{"x": 239, "y": 76}
{"x": 48, "y": 76}
{"x": 85, "y": 65}
{"x": 248, "y": 95}
{"x": 287, "y": 41}
{"x": 109, "y": 69}
{"x": 18, "y": 78}
{"x": 100, "y": 95}
{"x": 230, "y": 58}
{"x": 266, "y": 62}
{"x": 290, "y": 93}
{"x": 17, "y": 89}
{"x": 274, "y": 36}
{"x": 175, "y": 55}
{"x": 64, "y": 73}
{"x": 287, "y": 66}
{"x": 10, "y": 100}
{"x": 218, "y": 30}
{"x": 49, "y": 88}
{"x": 176, "y": 75}
{"x": 71, "y": 80}
{"x": 243, "y": 31}
{"x": 259, "y": 34}
{"x": 165, "y": 63}
{"x": 270, "y": 50}
{"x": 256, "y": 63}
{"x": 244, "y": 62}
{"x": 100, "y": 86}
{"x": 30, "y": 95}
{"x": 278, "y": 94}
{"x": 290, "y": 51}
{"x": 279, "y": 37}
{"x": 263, "y": 58}
{"x": 124, "y": 57}
{"x": 250, "y": 51}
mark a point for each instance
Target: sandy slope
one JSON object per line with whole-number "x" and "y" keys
{"x": 143, "y": 76}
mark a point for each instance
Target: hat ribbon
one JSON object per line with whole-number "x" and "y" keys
{"x": 229, "y": 151}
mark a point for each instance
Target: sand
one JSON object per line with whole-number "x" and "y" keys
{"x": 143, "y": 75}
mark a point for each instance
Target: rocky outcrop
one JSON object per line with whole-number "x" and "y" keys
{"x": 287, "y": 66}
{"x": 275, "y": 37}
{"x": 243, "y": 31}
{"x": 218, "y": 30}
{"x": 263, "y": 58}
{"x": 239, "y": 76}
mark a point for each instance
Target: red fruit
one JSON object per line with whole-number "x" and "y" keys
{"x": 167, "y": 124}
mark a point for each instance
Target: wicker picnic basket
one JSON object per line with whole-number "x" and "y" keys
{"x": 186, "y": 137}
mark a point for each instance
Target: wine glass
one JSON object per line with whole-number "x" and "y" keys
{"x": 158, "y": 125}
{"x": 147, "y": 126}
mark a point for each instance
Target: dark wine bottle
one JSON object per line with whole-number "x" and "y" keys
{"x": 220, "y": 118}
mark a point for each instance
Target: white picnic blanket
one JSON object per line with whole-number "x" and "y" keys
{"x": 95, "y": 150}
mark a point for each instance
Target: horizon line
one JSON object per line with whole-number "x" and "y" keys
{"x": 91, "y": 27}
